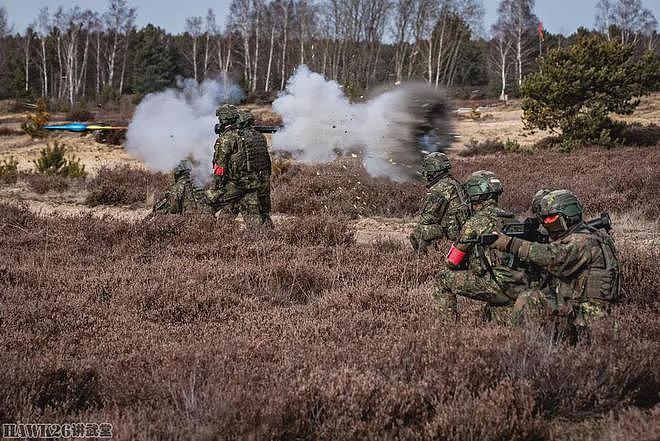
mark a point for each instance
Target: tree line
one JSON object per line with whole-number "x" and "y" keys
{"x": 78, "y": 54}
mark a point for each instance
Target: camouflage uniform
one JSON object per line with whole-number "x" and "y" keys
{"x": 480, "y": 273}
{"x": 242, "y": 167}
{"x": 446, "y": 207}
{"x": 583, "y": 262}
{"x": 183, "y": 196}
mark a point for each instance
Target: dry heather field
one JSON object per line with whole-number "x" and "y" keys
{"x": 186, "y": 328}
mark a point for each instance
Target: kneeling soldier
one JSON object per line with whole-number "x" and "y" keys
{"x": 582, "y": 260}
{"x": 474, "y": 270}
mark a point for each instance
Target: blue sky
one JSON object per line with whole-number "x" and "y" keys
{"x": 557, "y": 15}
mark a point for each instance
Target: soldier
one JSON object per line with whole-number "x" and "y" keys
{"x": 475, "y": 271}
{"x": 446, "y": 207}
{"x": 582, "y": 260}
{"x": 241, "y": 168}
{"x": 183, "y": 195}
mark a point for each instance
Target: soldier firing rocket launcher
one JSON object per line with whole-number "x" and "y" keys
{"x": 529, "y": 230}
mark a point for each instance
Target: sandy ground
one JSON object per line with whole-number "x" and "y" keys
{"x": 501, "y": 121}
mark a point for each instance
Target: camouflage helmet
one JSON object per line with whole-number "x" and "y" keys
{"x": 245, "y": 118}
{"x": 563, "y": 203}
{"x": 482, "y": 185}
{"x": 536, "y": 200}
{"x": 227, "y": 115}
{"x": 435, "y": 164}
{"x": 182, "y": 170}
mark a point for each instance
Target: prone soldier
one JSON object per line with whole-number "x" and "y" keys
{"x": 183, "y": 195}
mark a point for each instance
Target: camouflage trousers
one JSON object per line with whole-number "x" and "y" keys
{"x": 452, "y": 283}
{"x": 248, "y": 196}
{"x": 569, "y": 318}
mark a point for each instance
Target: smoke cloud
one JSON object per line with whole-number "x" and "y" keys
{"x": 175, "y": 124}
{"x": 392, "y": 131}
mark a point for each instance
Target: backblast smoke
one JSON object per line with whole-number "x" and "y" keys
{"x": 177, "y": 123}
{"x": 391, "y": 131}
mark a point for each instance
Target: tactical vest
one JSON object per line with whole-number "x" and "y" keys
{"x": 459, "y": 208}
{"x": 251, "y": 155}
{"x": 601, "y": 281}
{"x": 484, "y": 257}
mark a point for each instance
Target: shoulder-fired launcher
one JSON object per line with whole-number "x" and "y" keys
{"x": 529, "y": 230}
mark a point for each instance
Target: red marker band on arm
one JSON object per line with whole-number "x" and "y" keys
{"x": 455, "y": 256}
{"x": 218, "y": 171}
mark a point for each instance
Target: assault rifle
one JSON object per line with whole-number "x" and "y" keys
{"x": 529, "y": 230}
{"x": 262, "y": 129}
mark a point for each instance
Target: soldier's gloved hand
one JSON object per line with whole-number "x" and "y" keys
{"x": 502, "y": 242}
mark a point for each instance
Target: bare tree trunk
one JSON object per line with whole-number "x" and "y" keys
{"x": 123, "y": 65}
{"x": 98, "y": 63}
{"x": 83, "y": 70}
{"x": 440, "y": 49}
{"x": 284, "y": 43}
{"x": 44, "y": 90}
{"x": 270, "y": 56}
{"x": 325, "y": 57}
{"x": 59, "y": 63}
{"x": 28, "y": 38}
{"x": 221, "y": 63}
{"x": 194, "y": 57}
{"x": 228, "y": 58}
{"x": 301, "y": 19}
{"x": 206, "y": 54}
{"x": 256, "y": 47}
{"x": 113, "y": 55}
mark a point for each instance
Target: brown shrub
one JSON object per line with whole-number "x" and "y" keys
{"x": 79, "y": 112}
{"x": 42, "y": 183}
{"x": 617, "y": 180}
{"x": 343, "y": 188}
{"x": 639, "y": 135}
{"x": 6, "y": 131}
{"x": 318, "y": 230}
{"x": 237, "y": 334}
{"x": 124, "y": 185}
{"x": 487, "y": 147}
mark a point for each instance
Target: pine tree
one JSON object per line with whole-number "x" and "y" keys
{"x": 155, "y": 68}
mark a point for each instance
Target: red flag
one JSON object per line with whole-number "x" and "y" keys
{"x": 541, "y": 30}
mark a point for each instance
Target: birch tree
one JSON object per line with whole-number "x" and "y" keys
{"x": 211, "y": 32}
{"x": 518, "y": 18}
{"x": 240, "y": 18}
{"x": 500, "y": 53}
{"x": 194, "y": 28}
{"x": 115, "y": 19}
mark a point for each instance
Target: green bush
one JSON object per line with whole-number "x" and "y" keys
{"x": 79, "y": 113}
{"x": 577, "y": 88}
{"x": 9, "y": 170}
{"x": 52, "y": 161}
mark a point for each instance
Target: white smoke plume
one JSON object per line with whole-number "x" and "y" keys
{"x": 391, "y": 130}
{"x": 175, "y": 124}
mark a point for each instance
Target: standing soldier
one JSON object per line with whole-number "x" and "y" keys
{"x": 475, "y": 271}
{"x": 446, "y": 207}
{"x": 241, "y": 168}
{"x": 582, "y": 260}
